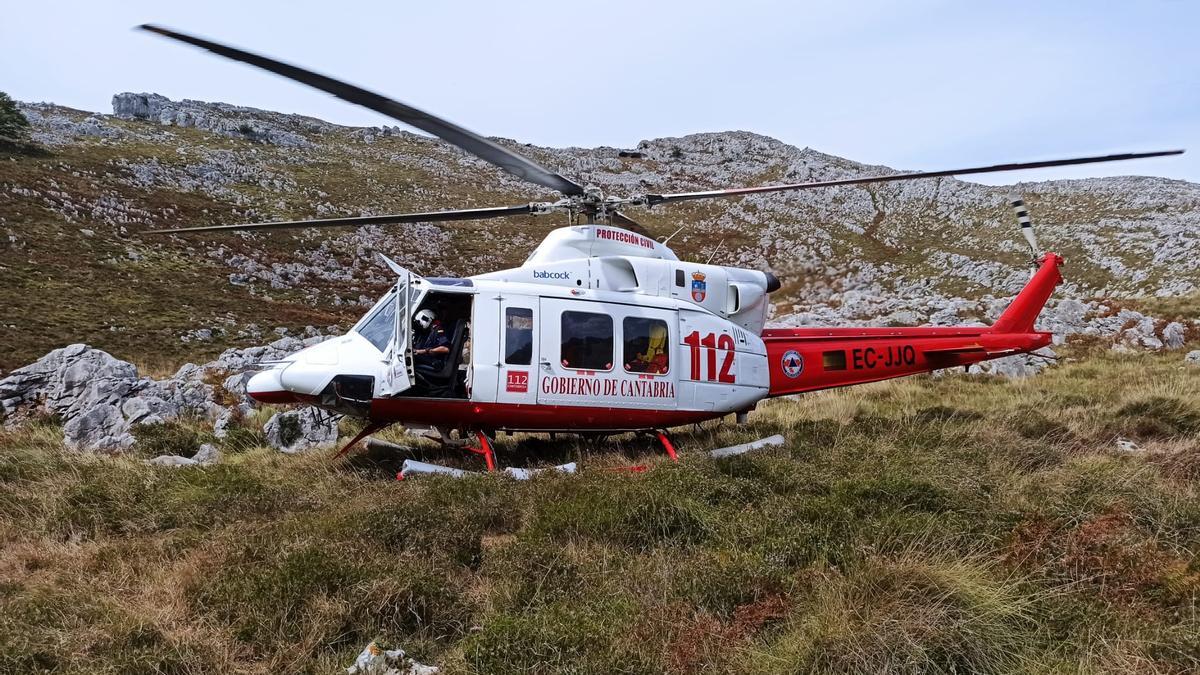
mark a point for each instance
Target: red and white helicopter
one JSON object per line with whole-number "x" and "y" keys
{"x": 602, "y": 329}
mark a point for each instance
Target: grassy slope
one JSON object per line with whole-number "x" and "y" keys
{"x": 62, "y": 287}
{"x": 954, "y": 524}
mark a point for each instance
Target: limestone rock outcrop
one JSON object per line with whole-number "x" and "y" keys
{"x": 100, "y": 398}
{"x": 227, "y": 120}
{"x": 301, "y": 430}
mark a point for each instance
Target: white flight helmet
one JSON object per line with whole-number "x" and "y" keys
{"x": 424, "y": 318}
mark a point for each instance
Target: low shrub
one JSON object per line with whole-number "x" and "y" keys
{"x": 276, "y": 590}
{"x": 175, "y": 437}
{"x": 1156, "y": 417}
{"x": 587, "y": 634}
{"x": 911, "y": 614}
{"x": 942, "y": 413}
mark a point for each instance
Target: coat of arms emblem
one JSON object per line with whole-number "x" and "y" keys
{"x": 699, "y": 288}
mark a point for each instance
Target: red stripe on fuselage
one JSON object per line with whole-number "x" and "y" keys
{"x": 512, "y": 416}
{"x": 531, "y": 417}
{"x": 279, "y": 397}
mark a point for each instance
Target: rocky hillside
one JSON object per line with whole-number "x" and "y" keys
{"x": 78, "y": 265}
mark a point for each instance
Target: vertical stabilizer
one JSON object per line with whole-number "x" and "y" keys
{"x": 1024, "y": 310}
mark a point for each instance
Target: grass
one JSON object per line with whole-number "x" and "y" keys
{"x": 1182, "y": 308}
{"x": 952, "y": 524}
{"x": 130, "y": 308}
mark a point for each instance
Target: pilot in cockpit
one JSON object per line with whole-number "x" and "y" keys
{"x": 431, "y": 347}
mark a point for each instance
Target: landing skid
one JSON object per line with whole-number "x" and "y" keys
{"x": 665, "y": 440}
{"x": 667, "y": 445}
{"x": 486, "y": 448}
{"x": 485, "y": 444}
{"x": 442, "y": 435}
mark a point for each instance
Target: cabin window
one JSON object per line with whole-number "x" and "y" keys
{"x": 379, "y": 328}
{"x": 587, "y": 341}
{"x": 679, "y": 278}
{"x": 835, "y": 360}
{"x": 647, "y": 347}
{"x": 518, "y": 336}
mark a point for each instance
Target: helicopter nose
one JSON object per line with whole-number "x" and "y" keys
{"x": 266, "y": 387}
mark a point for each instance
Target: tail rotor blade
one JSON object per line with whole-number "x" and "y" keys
{"x": 1026, "y": 224}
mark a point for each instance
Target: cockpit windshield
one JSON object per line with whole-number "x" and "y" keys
{"x": 379, "y": 326}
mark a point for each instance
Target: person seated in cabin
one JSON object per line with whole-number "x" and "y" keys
{"x": 431, "y": 347}
{"x": 654, "y": 359}
{"x": 464, "y": 360}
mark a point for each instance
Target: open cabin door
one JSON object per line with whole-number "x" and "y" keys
{"x": 399, "y": 375}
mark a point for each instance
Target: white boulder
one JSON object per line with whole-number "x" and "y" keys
{"x": 1174, "y": 334}
{"x": 100, "y": 398}
{"x": 207, "y": 454}
{"x": 1016, "y": 366}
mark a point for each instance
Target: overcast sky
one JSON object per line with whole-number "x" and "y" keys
{"x": 919, "y": 84}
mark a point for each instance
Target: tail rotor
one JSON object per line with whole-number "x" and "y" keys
{"x": 1026, "y": 224}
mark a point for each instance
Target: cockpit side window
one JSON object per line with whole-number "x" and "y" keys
{"x": 379, "y": 328}
{"x": 647, "y": 346}
{"x": 587, "y": 341}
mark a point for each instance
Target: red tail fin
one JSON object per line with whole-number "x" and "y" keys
{"x": 1024, "y": 310}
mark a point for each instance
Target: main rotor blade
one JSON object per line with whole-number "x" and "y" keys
{"x": 430, "y": 217}
{"x": 628, "y": 223}
{"x": 464, "y": 139}
{"x": 652, "y": 200}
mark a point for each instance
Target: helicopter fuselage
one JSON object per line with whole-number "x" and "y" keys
{"x": 631, "y": 338}
{"x": 620, "y": 340}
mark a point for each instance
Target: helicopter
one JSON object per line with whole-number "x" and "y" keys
{"x": 602, "y": 329}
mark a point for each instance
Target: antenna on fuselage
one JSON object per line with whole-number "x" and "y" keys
{"x": 715, "y": 252}
{"x": 392, "y": 264}
{"x": 672, "y": 235}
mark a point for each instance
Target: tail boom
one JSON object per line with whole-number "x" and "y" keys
{"x": 809, "y": 359}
